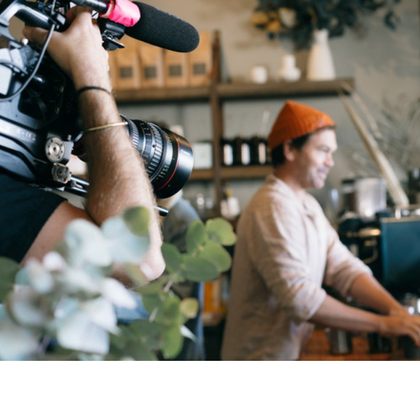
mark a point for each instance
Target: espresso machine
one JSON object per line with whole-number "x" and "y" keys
{"x": 386, "y": 238}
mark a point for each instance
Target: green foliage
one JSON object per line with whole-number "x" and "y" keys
{"x": 298, "y": 18}
{"x": 68, "y": 298}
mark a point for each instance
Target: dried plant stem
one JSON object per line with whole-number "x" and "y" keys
{"x": 393, "y": 184}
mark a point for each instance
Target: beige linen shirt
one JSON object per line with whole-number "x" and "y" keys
{"x": 286, "y": 248}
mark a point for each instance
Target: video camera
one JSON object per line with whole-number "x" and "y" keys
{"x": 39, "y": 123}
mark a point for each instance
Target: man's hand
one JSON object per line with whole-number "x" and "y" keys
{"x": 401, "y": 323}
{"x": 78, "y": 50}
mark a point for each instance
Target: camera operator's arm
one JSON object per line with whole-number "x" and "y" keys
{"x": 117, "y": 176}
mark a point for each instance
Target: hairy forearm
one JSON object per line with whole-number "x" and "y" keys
{"x": 117, "y": 175}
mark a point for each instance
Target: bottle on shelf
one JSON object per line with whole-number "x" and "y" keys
{"x": 258, "y": 150}
{"x": 227, "y": 152}
{"x": 241, "y": 151}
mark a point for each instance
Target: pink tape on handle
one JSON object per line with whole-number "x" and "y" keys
{"x": 124, "y": 12}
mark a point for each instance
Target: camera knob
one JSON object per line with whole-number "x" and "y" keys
{"x": 54, "y": 149}
{"x": 60, "y": 173}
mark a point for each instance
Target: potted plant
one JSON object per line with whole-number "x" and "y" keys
{"x": 61, "y": 308}
{"x": 297, "y": 19}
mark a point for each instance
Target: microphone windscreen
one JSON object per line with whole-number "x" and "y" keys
{"x": 163, "y": 30}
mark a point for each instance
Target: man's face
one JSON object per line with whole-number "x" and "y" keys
{"x": 315, "y": 159}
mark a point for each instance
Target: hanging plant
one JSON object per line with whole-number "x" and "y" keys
{"x": 296, "y": 19}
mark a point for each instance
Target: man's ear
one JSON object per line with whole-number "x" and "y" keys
{"x": 289, "y": 151}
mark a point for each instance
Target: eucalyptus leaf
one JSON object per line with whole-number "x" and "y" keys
{"x": 172, "y": 342}
{"x": 75, "y": 280}
{"x": 22, "y": 278}
{"x": 196, "y": 236}
{"x": 172, "y": 257}
{"x": 149, "y": 332}
{"x": 65, "y": 307}
{"x": 152, "y": 288}
{"x": 125, "y": 247}
{"x": 117, "y": 294}
{"x": 3, "y": 312}
{"x": 139, "y": 351}
{"x": 101, "y": 313}
{"x": 221, "y": 231}
{"x": 39, "y": 277}
{"x": 17, "y": 343}
{"x": 137, "y": 220}
{"x": 54, "y": 261}
{"x": 199, "y": 269}
{"x": 29, "y": 308}
{"x": 78, "y": 332}
{"x": 8, "y": 271}
{"x": 171, "y": 311}
{"x": 119, "y": 341}
{"x": 189, "y": 307}
{"x": 152, "y": 303}
{"x": 86, "y": 244}
{"x": 135, "y": 274}
{"x": 218, "y": 255}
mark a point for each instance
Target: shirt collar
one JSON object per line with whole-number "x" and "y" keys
{"x": 305, "y": 204}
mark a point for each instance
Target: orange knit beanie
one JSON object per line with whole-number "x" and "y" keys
{"x": 296, "y": 120}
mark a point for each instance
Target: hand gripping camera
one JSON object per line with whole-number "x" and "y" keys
{"x": 39, "y": 124}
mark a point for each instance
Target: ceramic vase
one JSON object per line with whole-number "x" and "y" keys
{"x": 320, "y": 60}
{"x": 289, "y": 72}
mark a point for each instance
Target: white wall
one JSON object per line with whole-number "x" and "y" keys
{"x": 384, "y": 64}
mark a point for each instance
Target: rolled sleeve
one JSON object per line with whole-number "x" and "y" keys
{"x": 342, "y": 266}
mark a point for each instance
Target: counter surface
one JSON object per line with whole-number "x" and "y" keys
{"x": 318, "y": 348}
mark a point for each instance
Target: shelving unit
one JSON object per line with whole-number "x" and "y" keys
{"x": 217, "y": 94}
{"x": 233, "y": 172}
{"x": 232, "y": 91}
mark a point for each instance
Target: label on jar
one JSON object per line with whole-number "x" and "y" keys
{"x": 245, "y": 154}
{"x": 227, "y": 155}
{"x": 262, "y": 154}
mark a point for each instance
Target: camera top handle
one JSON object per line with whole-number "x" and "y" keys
{"x": 34, "y": 14}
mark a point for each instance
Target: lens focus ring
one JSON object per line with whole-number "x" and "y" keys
{"x": 157, "y": 152}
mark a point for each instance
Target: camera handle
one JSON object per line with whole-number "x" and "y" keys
{"x": 34, "y": 14}
{"x": 41, "y": 15}
{"x": 79, "y": 186}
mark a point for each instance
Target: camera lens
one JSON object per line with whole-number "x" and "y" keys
{"x": 168, "y": 157}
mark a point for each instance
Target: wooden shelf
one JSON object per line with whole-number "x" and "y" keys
{"x": 234, "y": 91}
{"x": 234, "y": 172}
{"x": 201, "y": 175}
{"x": 282, "y": 89}
{"x": 150, "y": 95}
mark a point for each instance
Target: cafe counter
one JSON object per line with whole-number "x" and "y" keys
{"x": 318, "y": 348}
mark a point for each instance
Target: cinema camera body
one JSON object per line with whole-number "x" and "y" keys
{"x": 39, "y": 123}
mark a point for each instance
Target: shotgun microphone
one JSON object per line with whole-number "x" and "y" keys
{"x": 148, "y": 24}
{"x": 163, "y": 30}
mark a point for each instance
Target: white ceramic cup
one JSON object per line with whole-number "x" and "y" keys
{"x": 259, "y": 74}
